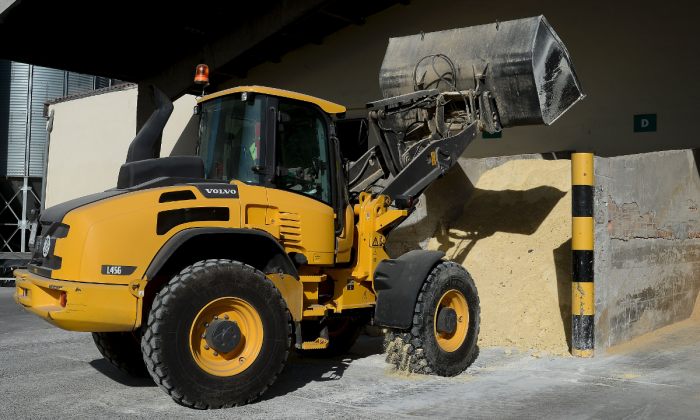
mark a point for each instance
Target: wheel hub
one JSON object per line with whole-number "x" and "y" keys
{"x": 223, "y": 335}
{"x": 226, "y": 336}
{"x": 446, "y": 320}
{"x": 451, "y": 322}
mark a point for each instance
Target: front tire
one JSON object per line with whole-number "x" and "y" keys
{"x": 217, "y": 335}
{"x": 424, "y": 348}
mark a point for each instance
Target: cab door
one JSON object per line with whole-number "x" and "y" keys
{"x": 303, "y": 194}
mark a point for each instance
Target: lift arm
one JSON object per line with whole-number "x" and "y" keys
{"x": 498, "y": 75}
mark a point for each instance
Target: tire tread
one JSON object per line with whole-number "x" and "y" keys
{"x": 404, "y": 348}
{"x": 152, "y": 352}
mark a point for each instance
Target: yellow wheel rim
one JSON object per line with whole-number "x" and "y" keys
{"x": 452, "y": 341}
{"x": 240, "y": 358}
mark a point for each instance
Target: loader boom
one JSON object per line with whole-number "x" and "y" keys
{"x": 498, "y": 75}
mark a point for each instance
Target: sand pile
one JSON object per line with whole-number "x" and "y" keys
{"x": 695, "y": 316}
{"x": 514, "y": 237}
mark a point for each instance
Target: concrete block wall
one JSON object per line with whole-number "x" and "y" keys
{"x": 647, "y": 243}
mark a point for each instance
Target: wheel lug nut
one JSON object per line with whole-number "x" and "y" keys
{"x": 204, "y": 335}
{"x": 241, "y": 360}
{"x": 216, "y": 317}
{"x": 215, "y": 353}
{"x": 206, "y": 347}
{"x": 206, "y": 324}
{"x": 226, "y": 316}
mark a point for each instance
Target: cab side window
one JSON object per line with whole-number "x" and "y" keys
{"x": 302, "y": 149}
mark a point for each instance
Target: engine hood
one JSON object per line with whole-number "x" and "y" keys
{"x": 56, "y": 213}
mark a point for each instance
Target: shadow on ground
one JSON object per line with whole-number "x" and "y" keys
{"x": 123, "y": 378}
{"x": 300, "y": 371}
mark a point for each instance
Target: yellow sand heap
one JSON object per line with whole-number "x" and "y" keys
{"x": 514, "y": 237}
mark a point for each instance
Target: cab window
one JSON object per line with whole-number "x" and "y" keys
{"x": 230, "y": 142}
{"x": 302, "y": 149}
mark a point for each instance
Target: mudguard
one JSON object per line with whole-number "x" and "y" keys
{"x": 254, "y": 247}
{"x": 398, "y": 283}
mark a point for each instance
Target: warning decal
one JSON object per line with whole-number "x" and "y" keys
{"x": 378, "y": 241}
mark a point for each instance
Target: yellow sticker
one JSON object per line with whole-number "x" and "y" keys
{"x": 378, "y": 241}
{"x": 432, "y": 158}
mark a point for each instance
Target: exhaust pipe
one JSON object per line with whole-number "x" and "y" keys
{"x": 522, "y": 63}
{"x": 144, "y": 144}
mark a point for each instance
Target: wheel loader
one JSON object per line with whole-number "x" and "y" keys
{"x": 204, "y": 271}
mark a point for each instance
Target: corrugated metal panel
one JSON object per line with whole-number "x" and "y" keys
{"x": 46, "y": 84}
{"x": 5, "y": 85}
{"x": 79, "y": 83}
{"x": 16, "y": 109}
{"x": 21, "y": 111}
{"x": 101, "y": 82}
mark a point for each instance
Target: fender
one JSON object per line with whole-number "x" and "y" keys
{"x": 253, "y": 247}
{"x": 398, "y": 283}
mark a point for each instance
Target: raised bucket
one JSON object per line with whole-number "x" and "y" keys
{"x": 529, "y": 73}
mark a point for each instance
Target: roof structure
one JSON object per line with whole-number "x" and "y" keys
{"x": 109, "y": 89}
{"x": 329, "y": 107}
{"x": 142, "y": 41}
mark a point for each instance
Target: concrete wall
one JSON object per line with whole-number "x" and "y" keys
{"x": 180, "y": 134}
{"x": 632, "y": 58}
{"x": 647, "y": 243}
{"x": 91, "y": 136}
{"x": 89, "y": 141}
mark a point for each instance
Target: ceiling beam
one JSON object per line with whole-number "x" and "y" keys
{"x": 177, "y": 79}
{"x": 307, "y": 39}
{"x": 355, "y": 21}
{"x": 235, "y": 74}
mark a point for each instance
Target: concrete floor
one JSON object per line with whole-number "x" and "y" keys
{"x": 49, "y": 373}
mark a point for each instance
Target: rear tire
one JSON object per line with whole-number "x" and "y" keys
{"x": 422, "y": 348}
{"x": 121, "y": 350}
{"x": 179, "y": 348}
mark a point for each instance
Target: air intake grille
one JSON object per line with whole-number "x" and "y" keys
{"x": 290, "y": 229}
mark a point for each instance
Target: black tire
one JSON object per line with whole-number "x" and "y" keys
{"x": 121, "y": 350}
{"x": 417, "y": 349}
{"x": 166, "y": 340}
{"x": 343, "y": 333}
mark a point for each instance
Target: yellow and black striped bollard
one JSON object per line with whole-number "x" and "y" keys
{"x": 582, "y": 302}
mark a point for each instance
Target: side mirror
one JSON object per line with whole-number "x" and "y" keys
{"x": 282, "y": 117}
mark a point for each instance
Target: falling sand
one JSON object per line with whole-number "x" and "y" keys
{"x": 514, "y": 238}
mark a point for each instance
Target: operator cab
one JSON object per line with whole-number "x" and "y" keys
{"x": 273, "y": 138}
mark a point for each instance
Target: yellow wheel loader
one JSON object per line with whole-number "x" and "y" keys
{"x": 204, "y": 271}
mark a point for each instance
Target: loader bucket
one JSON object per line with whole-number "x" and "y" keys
{"x": 524, "y": 65}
